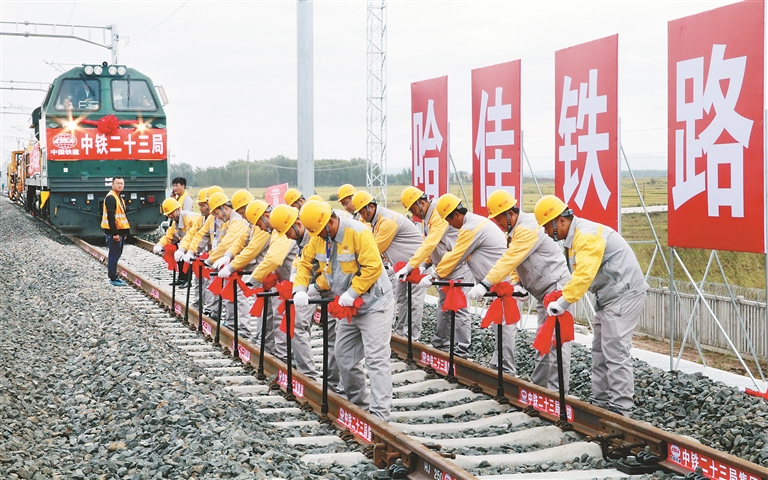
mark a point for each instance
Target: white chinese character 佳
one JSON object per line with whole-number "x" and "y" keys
{"x": 101, "y": 144}
{"x": 157, "y": 143}
{"x": 427, "y": 138}
{"x": 87, "y": 143}
{"x": 495, "y": 138}
{"x": 688, "y": 147}
{"x": 590, "y": 104}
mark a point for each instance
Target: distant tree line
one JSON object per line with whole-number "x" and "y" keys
{"x": 281, "y": 169}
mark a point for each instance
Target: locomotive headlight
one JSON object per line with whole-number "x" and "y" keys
{"x": 142, "y": 127}
{"x": 97, "y": 69}
{"x": 121, "y": 70}
{"x": 112, "y": 70}
{"x": 88, "y": 70}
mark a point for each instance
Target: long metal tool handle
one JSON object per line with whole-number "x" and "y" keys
{"x": 200, "y": 299}
{"x": 563, "y": 423}
{"x": 452, "y": 350}
{"x": 324, "y": 321}
{"x": 289, "y": 360}
{"x": 260, "y": 373}
{"x": 410, "y": 323}
{"x": 186, "y": 309}
{"x": 218, "y": 324}
{"x": 235, "y": 347}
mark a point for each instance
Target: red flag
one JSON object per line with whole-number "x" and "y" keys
{"x": 756, "y": 393}
{"x": 168, "y": 257}
{"x": 228, "y": 292}
{"x": 545, "y": 340}
{"x": 504, "y": 308}
{"x": 414, "y": 277}
{"x": 454, "y": 297}
{"x": 285, "y": 292}
{"x": 257, "y": 310}
{"x": 216, "y": 286}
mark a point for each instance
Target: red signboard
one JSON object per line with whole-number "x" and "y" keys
{"x": 716, "y": 167}
{"x": 496, "y": 159}
{"x": 275, "y": 194}
{"x": 429, "y": 132}
{"x": 586, "y": 129}
{"x": 91, "y": 144}
{"x": 34, "y": 161}
{"x": 691, "y": 460}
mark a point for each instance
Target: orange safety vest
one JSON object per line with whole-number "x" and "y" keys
{"x": 181, "y": 199}
{"x": 120, "y": 219}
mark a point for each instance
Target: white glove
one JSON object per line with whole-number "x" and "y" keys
{"x": 477, "y": 292}
{"x": 557, "y": 307}
{"x": 300, "y": 299}
{"x": 346, "y": 300}
{"x": 313, "y": 292}
{"x": 179, "y": 254}
{"x": 292, "y": 278}
{"x": 247, "y": 278}
{"x": 522, "y": 292}
{"x": 403, "y": 272}
{"x": 426, "y": 281}
{"x": 225, "y": 271}
{"x": 218, "y": 264}
{"x": 157, "y": 249}
{"x": 189, "y": 257}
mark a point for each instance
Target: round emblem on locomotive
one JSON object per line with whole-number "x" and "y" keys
{"x": 65, "y": 140}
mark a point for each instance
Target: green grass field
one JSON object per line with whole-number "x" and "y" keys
{"x": 743, "y": 269}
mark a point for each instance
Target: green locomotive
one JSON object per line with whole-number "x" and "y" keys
{"x": 98, "y": 122}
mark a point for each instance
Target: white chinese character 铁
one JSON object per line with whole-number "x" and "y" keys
{"x": 497, "y": 165}
{"x": 427, "y": 138}
{"x": 689, "y": 147}
{"x": 589, "y": 104}
{"x": 101, "y": 144}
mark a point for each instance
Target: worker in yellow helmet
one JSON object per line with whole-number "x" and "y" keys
{"x": 603, "y": 263}
{"x": 398, "y": 239}
{"x": 206, "y": 237}
{"x": 347, "y": 255}
{"x": 480, "y": 243}
{"x": 345, "y": 194}
{"x": 535, "y": 265}
{"x": 184, "y": 225}
{"x": 439, "y": 238}
{"x": 294, "y": 198}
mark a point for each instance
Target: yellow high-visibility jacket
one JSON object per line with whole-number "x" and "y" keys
{"x": 480, "y": 243}
{"x": 183, "y": 230}
{"x": 397, "y": 238}
{"x": 602, "y": 262}
{"x": 353, "y": 266}
{"x": 532, "y": 258}
{"x": 279, "y": 257}
{"x": 254, "y": 251}
{"x": 235, "y": 234}
{"x": 439, "y": 238}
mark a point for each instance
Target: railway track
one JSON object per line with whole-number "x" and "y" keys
{"x": 435, "y": 423}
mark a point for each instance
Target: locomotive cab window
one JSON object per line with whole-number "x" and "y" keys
{"x": 132, "y": 95}
{"x": 79, "y": 94}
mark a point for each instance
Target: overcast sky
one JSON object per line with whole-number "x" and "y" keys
{"x": 229, "y": 68}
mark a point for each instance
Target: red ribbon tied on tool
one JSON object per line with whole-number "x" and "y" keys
{"x": 413, "y": 277}
{"x": 199, "y": 265}
{"x": 285, "y": 292}
{"x": 228, "y": 291}
{"x": 545, "y": 339}
{"x": 170, "y": 250}
{"x": 757, "y": 393}
{"x": 269, "y": 282}
{"x": 337, "y": 311}
{"x": 454, "y": 297}
{"x": 504, "y": 308}
{"x": 216, "y": 286}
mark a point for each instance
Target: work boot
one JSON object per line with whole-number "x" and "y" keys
{"x": 184, "y": 285}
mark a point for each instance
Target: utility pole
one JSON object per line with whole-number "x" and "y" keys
{"x": 305, "y": 99}
{"x": 85, "y": 33}
{"x": 376, "y": 161}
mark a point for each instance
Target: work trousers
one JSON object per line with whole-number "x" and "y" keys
{"x": 367, "y": 337}
{"x": 243, "y": 314}
{"x": 209, "y": 300}
{"x": 115, "y": 251}
{"x": 613, "y": 380}
{"x": 508, "y": 337}
{"x": 400, "y": 321}
{"x": 301, "y": 348}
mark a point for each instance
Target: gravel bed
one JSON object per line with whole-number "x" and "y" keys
{"x": 116, "y": 400}
{"x": 712, "y": 412}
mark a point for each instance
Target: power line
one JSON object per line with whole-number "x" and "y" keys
{"x": 151, "y": 29}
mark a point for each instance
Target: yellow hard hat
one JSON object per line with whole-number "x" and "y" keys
{"x": 314, "y": 216}
{"x": 291, "y": 196}
{"x": 241, "y": 198}
{"x": 409, "y": 196}
{"x": 213, "y": 189}
{"x": 255, "y": 210}
{"x": 216, "y": 200}
{"x": 202, "y": 195}
{"x": 499, "y": 202}
{"x": 548, "y": 208}
{"x": 283, "y": 217}
{"x": 361, "y": 199}
{"x": 346, "y": 190}
{"x": 446, "y": 204}
{"x": 316, "y": 197}
{"x": 170, "y": 205}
